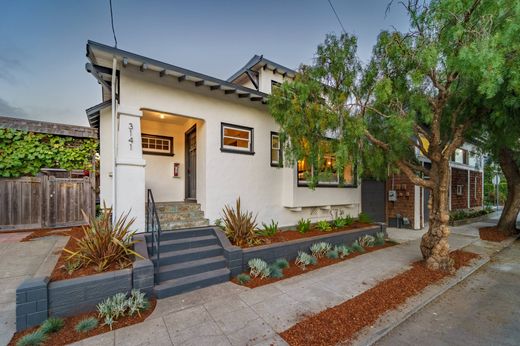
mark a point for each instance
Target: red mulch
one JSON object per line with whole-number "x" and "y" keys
{"x": 282, "y": 236}
{"x": 294, "y": 270}
{"x": 492, "y": 234}
{"x": 59, "y": 272}
{"x": 68, "y": 334}
{"x": 342, "y": 322}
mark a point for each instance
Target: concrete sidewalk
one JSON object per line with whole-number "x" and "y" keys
{"x": 19, "y": 261}
{"x": 229, "y": 314}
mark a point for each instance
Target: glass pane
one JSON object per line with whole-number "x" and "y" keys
{"x": 229, "y": 132}
{"x": 238, "y": 143}
{"x": 275, "y": 143}
{"x": 275, "y": 153}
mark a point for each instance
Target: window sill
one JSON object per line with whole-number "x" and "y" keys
{"x": 231, "y": 151}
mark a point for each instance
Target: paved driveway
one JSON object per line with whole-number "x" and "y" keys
{"x": 482, "y": 310}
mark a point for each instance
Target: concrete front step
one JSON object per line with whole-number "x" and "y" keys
{"x": 170, "y": 225}
{"x": 190, "y": 283}
{"x": 186, "y": 243}
{"x": 188, "y": 255}
{"x": 178, "y": 270}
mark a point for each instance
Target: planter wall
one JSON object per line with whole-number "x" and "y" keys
{"x": 237, "y": 257}
{"x": 37, "y": 299}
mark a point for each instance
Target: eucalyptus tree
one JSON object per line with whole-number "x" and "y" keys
{"x": 420, "y": 94}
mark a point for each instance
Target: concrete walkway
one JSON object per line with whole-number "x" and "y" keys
{"x": 19, "y": 261}
{"x": 229, "y": 314}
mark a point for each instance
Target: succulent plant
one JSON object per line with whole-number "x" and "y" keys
{"x": 86, "y": 325}
{"x": 320, "y": 249}
{"x": 258, "y": 268}
{"x": 304, "y": 259}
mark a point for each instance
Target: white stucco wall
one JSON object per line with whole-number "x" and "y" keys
{"x": 105, "y": 157}
{"x": 222, "y": 177}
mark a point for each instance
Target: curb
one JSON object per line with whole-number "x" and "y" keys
{"x": 374, "y": 333}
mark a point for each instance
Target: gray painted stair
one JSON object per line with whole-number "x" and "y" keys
{"x": 190, "y": 259}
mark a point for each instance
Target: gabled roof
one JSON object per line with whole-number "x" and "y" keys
{"x": 258, "y": 61}
{"x": 164, "y": 69}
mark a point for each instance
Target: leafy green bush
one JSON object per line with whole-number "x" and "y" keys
{"x": 32, "y": 339}
{"x": 364, "y": 218}
{"x": 281, "y": 263}
{"x": 268, "y": 230}
{"x": 243, "y": 278}
{"x": 86, "y": 324}
{"x": 51, "y": 325}
{"x": 357, "y": 247}
{"x": 380, "y": 238}
{"x": 367, "y": 240}
{"x": 339, "y": 222}
{"x": 304, "y": 225}
{"x": 240, "y": 226}
{"x": 320, "y": 249}
{"x": 258, "y": 268}
{"x": 103, "y": 243}
{"x": 332, "y": 254}
{"x": 26, "y": 153}
{"x": 304, "y": 259}
{"x": 323, "y": 226}
{"x": 462, "y": 214}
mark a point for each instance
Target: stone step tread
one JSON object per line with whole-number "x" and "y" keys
{"x": 191, "y": 264}
{"x": 166, "y": 254}
{"x": 181, "y": 241}
{"x": 192, "y": 279}
{"x": 171, "y": 225}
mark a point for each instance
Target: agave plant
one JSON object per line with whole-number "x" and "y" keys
{"x": 239, "y": 225}
{"x": 104, "y": 243}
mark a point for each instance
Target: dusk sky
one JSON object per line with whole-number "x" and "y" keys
{"x": 42, "y": 43}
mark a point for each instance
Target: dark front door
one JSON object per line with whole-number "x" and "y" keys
{"x": 373, "y": 199}
{"x": 425, "y": 206}
{"x": 191, "y": 164}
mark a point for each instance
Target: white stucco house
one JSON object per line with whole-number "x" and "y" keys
{"x": 190, "y": 137}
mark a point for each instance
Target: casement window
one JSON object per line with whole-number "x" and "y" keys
{"x": 157, "y": 145}
{"x": 276, "y": 150}
{"x": 236, "y": 139}
{"x": 460, "y": 156}
{"x": 328, "y": 175}
{"x": 460, "y": 190}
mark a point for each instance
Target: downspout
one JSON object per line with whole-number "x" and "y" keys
{"x": 114, "y": 140}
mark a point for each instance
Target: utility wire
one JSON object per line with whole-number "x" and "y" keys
{"x": 337, "y": 17}
{"x": 112, "y": 22}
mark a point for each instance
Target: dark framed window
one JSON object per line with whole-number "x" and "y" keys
{"x": 276, "y": 150}
{"x": 275, "y": 84}
{"x": 157, "y": 145}
{"x": 236, "y": 139}
{"x": 328, "y": 174}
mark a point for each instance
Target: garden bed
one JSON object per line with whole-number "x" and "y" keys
{"x": 492, "y": 234}
{"x": 341, "y": 324}
{"x": 67, "y": 334}
{"x": 294, "y": 270}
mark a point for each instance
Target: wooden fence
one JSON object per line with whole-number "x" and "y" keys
{"x": 45, "y": 202}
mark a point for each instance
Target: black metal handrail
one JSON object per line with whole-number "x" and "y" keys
{"x": 153, "y": 226}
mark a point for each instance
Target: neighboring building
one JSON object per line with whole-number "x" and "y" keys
{"x": 191, "y": 137}
{"x": 408, "y": 206}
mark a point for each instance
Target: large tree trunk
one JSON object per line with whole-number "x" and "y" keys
{"x": 434, "y": 245}
{"x": 507, "y": 222}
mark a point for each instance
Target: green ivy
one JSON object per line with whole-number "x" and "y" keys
{"x": 25, "y": 153}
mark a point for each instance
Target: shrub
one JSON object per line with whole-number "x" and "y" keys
{"x": 268, "y": 230}
{"x": 332, "y": 254}
{"x": 281, "y": 263}
{"x": 243, "y": 278}
{"x": 339, "y": 222}
{"x": 342, "y": 250}
{"x": 349, "y": 220}
{"x": 112, "y": 308}
{"x": 323, "y": 226}
{"x": 137, "y": 302}
{"x": 356, "y": 247}
{"x": 320, "y": 249}
{"x": 51, "y": 325}
{"x": 367, "y": 241}
{"x": 218, "y": 222}
{"x": 103, "y": 243}
{"x": 364, "y": 218}
{"x": 275, "y": 271}
{"x": 86, "y": 325}
{"x": 258, "y": 268}
{"x": 304, "y": 259}
{"x": 32, "y": 339}
{"x": 380, "y": 238}
{"x": 240, "y": 226}
{"x": 304, "y": 225}
{"x": 71, "y": 266}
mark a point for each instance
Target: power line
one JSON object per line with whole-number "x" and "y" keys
{"x": 337, "y": 17}
{"x": 112, "y": 22}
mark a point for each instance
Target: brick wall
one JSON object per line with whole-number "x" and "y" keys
{"x": 404, "y": 205}
{"x": 476, "y": 198}
{"x": 459, "y": 177}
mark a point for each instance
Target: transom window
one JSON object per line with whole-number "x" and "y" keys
{"x": 157, "y": 145}
{"x": 236, "y": 138}
{"x": 276, "y": 150}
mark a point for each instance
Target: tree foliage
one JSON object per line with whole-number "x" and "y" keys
{"x": 24, "y": 153}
